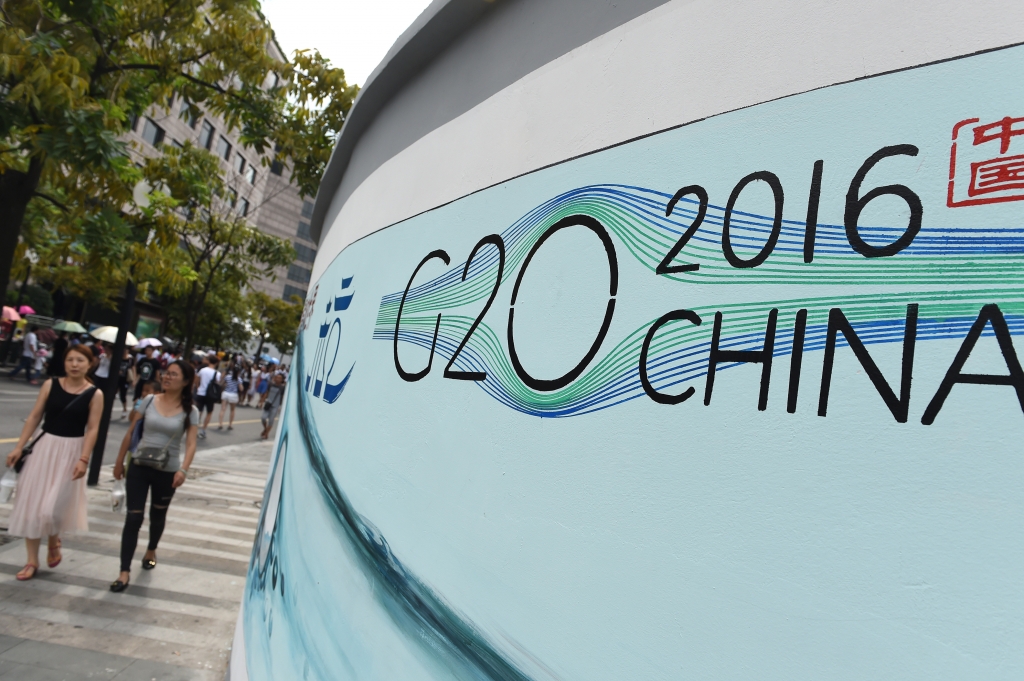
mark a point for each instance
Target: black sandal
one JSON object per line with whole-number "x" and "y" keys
{"x": 148, "y": 564}
{"x": 118, "y": 586}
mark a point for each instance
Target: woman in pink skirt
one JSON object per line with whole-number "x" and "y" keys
{"x": 51, "y": 487}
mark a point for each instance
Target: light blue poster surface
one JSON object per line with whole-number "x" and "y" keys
{"x": 741, "y": 399}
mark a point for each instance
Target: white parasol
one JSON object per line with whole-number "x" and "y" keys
{"x": 108, "y": 334}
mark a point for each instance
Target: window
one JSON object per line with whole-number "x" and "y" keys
{"x": 184, "y": 114}
{"x": 177, "y": 143}
{"x": 299, "y": 274}
{"x": 152, "y": 133}
{"x": 290, "y": 291}
{"x": 239, "y": 164}
{"x": 276, "y": 167}
{"x": 133, "y": 122}
{"x": 232, "y": 197}
{"x": 250, "y": 175}
{"x": 303, "y": 232}
{"x": 304, "y": 253}
{"x": 307, "y": 209}
{"x": 243, "y": 207}
{"x": 224, "y": 148}
{"x": 206, "y": 135}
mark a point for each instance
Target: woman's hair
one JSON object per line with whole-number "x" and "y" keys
{"x": 188, "y": 374}
{"x": 234, "y": 369}
{"x": 82, "y": 350}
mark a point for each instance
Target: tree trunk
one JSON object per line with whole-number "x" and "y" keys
{"x": 259, "y": 350}
{"x": 191, "y": 315}
{"x": 16, "y": 190}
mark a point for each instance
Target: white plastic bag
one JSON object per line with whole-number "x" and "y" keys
{"x": 7, "y": 484}
{"x": 117, "y": 497}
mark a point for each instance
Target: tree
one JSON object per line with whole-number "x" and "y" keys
{"x": 217, "y": 246}
{"x": 72, "y": 72}
{"x": 223, "y": 321}
{"x": 306, "y": 125}
{"x": 274, "y": 321}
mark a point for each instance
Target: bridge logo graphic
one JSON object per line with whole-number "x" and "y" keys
{"x": 324, "y": 379}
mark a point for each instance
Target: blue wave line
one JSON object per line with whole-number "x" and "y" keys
{"x": 748, "y": 230}
{"x": 689, "y": 362}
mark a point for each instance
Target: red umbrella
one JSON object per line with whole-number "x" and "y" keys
{"x": 25, "y": 309}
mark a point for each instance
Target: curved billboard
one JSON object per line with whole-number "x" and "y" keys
{"x": 739, "y": 398}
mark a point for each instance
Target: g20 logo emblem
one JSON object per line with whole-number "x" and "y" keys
{"x": 322, "y": 370}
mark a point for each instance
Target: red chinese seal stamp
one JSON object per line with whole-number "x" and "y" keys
{"x": 982, "y": 166}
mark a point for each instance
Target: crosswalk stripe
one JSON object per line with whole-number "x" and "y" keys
{"x": 45, "y": 614}
{"x": 173, "y": 532}
{"x": 126, "y": 598}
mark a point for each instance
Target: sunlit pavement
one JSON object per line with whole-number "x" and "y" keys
{"x": 174, "y": 622}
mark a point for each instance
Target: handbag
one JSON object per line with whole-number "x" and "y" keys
{"x": 214, "y": 389}
{"x": 26, "y": 451}
{"x": 151, "y": 457}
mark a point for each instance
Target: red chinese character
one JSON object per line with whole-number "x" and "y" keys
{"x": 975, "y": 177}
{"x": 1004, "y": 131}
{"x": 996, "y": 175}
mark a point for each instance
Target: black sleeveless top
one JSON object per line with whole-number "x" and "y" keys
{"x": 67, "y": 422}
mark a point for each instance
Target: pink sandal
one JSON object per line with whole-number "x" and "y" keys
{"x": 35, "y": 569}
{"x": 49, "y": 555}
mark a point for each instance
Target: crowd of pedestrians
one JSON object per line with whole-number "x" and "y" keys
{"x": 173, "y": 400}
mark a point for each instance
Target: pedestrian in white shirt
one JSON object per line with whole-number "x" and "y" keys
{"x": 30, "y": 346}
{"x": 207, "y": 391}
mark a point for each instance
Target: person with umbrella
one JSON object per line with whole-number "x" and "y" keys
{"x": 146, "y": 369}
{"x": 7, "y": 320}
{"x": 28, "y": 355}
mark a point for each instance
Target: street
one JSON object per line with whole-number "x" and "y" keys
{"x": 174, "y": 622}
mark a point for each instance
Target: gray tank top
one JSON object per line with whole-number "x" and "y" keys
{"x": 158, "y": 430}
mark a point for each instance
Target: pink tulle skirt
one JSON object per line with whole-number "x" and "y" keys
{"x": 47, "y": 501}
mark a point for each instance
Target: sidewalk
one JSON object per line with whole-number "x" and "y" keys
{"x": 173, "y": 623}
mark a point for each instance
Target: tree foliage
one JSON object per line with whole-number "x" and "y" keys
{"x": 72, "y": 72}
{"x": 219, "y": 248}
{"x": 222, "y": 322}
{"x": 316, "y": 105}
{"x": 274, "y": 320}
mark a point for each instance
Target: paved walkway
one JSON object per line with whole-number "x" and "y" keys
{"x": 174, "y": 622}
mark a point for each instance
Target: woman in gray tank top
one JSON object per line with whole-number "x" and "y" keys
{"x": 167, "y": 419}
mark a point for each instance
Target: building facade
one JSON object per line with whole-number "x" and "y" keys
{"x": 260, "y": 190}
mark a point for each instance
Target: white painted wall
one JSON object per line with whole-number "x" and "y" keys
{"x": 681, "y": 62}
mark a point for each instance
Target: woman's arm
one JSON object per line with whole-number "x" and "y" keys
{"x": 31, "y": 423}
{"x": 190, "y": 452}
{"x": 91, "y": 431}
{"x": 126, "y": 442}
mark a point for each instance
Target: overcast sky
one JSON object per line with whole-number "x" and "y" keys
{"x": 353, "y": 34}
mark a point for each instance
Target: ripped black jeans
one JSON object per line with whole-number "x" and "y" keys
{"x": 138, "y": 482}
